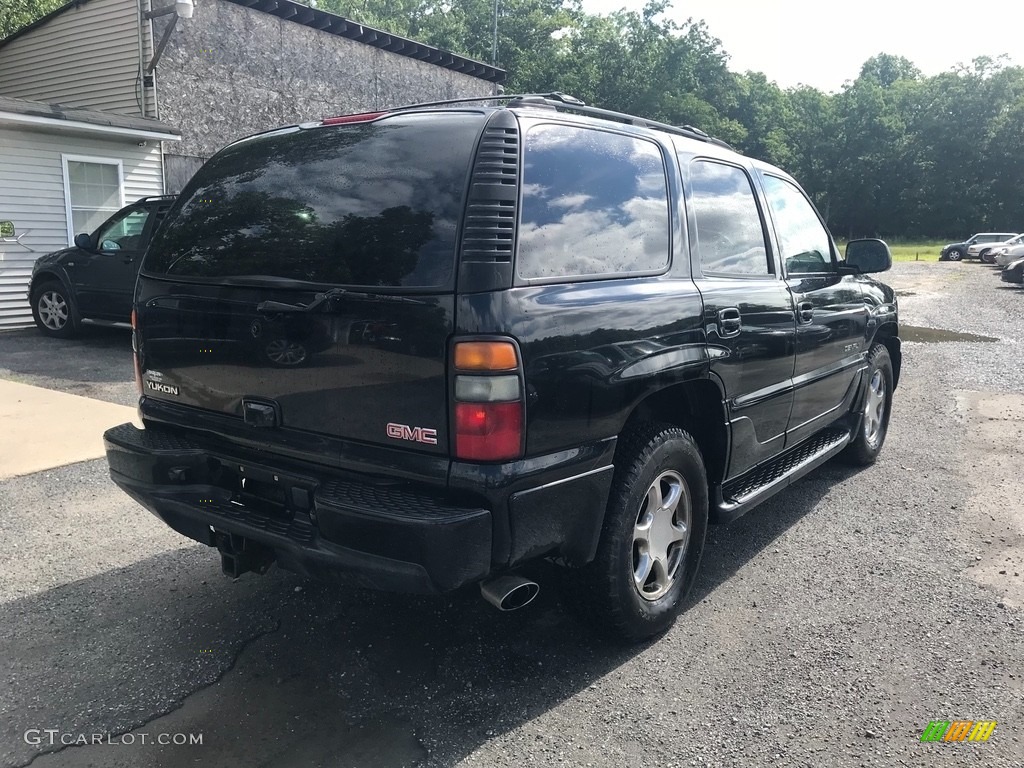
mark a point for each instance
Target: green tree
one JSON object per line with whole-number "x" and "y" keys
{"x": 961, "y": 147}
{"x": 1006, "y": 161}
{"x": 527, "y": 29}
{"x": 874, "y": 159}
{"x": 766, "y": 113}
{"x": 640, "y": 63}
{"x": 20, "y": 13}
{"x": 813, "y": 132}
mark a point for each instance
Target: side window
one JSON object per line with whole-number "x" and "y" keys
{"x": 804, "y": 243}
{"x": 124, "y": 233}
{"x": 594, "y": 203}
{"x": 730, "y": 237}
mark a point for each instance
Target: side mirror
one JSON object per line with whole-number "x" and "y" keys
{"x": 84, "y": 241}
{"x": 868, "y": 255}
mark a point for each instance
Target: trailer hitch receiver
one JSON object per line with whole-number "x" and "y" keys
{"x": 240, "y": 555}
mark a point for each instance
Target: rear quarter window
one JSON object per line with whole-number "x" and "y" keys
{"x": 595, "y": 203}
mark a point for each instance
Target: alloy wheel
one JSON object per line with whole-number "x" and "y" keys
{"x": 874, "y": 409}
{"x": 660, "y": 535}
{"x": 53, "y": 310}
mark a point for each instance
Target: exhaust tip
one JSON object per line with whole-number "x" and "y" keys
{"x": 510, "y": 592}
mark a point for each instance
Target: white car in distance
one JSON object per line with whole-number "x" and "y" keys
{"x": 985, "y": 251}
{"x": 1005, "y": 255}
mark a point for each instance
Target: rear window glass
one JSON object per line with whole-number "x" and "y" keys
{"x": 594, "y": 203}
{"x": 375, "y": 204}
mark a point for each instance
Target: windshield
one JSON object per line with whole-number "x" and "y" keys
{"x": 372, "y": 204}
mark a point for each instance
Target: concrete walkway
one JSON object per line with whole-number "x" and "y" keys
{"x": 42, "y": 428}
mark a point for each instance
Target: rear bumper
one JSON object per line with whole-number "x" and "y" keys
{"x": 335, "y": 526}
{"x": 329, "y": 528}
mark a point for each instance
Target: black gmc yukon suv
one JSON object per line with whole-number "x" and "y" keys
{"x": 419, "y": 348}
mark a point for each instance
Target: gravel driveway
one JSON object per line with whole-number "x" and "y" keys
{"x": 829, "y": 626}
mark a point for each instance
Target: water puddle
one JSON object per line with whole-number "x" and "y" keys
{"x": 933, "y": 335}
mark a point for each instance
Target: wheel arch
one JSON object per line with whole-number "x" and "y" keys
{"x": 45, "y": 275}
{"x": 888, "y": 335}
{"x": 698, "y": 406}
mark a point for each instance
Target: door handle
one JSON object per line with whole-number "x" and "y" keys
{"x": 805, "y": 311}
{"x": 729, "y": 322}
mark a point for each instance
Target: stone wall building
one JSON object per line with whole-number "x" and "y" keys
{"x": 240, "y": 66}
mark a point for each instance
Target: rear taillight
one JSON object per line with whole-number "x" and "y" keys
{"x": 489, "y": 407}
{"x": 135, "y": 350}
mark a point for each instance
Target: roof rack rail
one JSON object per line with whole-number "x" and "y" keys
{"x": 563, "y": 101}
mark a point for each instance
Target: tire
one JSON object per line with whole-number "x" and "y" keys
{"x": 873, "y": 424}
{"x": 955, "y": 254}
{"x": 987, "y": 257}
{"x": 630, "y": 592}
{"x": 54, "y": 311}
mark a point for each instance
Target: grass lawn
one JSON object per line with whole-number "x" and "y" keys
{"x": 915, "y": 251}
{"x": 909, "y": 251}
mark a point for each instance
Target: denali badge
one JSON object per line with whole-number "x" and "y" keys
{"x": 166, "y": 389}
{"x": 416, "y": 434}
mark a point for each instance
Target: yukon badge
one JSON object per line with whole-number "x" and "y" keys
{"x": 415, "y": 434}
{"x": 159, "y": 386}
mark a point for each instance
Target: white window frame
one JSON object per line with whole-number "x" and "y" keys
{"x": 64, "y": 159}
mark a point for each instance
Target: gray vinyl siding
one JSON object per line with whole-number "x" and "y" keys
{"x": 86, "y": 57}
{"x": 32, "y": 196}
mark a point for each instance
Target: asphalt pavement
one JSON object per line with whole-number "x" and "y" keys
{"x": 828, "y": 627}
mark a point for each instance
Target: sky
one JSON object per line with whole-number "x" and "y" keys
{"x": 815, "y": 43}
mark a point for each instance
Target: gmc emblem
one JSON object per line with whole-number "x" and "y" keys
{"x": 415, "y": 434}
